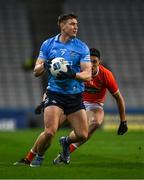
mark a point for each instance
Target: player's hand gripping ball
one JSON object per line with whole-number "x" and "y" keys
{"x": 58, "y": 64}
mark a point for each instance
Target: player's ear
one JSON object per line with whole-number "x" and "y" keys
{"x": 100, "y": 61}
{"x": 61, "y": 25}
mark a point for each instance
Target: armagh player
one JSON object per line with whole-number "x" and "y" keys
{"x": 94, "y": 98}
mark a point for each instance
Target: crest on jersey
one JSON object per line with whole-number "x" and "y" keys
{"x": 72, "y": 53}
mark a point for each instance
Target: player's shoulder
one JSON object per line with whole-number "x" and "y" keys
{"x": 82, "y": 46}
{"x": 104, "y": 70}
{"x": 49, "y": 40}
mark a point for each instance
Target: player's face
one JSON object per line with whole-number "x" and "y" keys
{"x": 70, "y": 27}
{"x": 95, "y": 63}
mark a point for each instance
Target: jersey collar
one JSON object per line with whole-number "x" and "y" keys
{"x": 57, "y": 38}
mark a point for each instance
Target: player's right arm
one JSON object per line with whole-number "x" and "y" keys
{"x": 39, "y": 68}
{"x": 42, "y": 64}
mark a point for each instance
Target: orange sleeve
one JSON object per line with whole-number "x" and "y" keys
{"x": 111, "y": 83}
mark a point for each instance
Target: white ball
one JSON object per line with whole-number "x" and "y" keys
{"x": 58, "y": 64}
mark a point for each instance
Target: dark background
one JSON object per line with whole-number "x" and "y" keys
{"x": 115, "y": 27}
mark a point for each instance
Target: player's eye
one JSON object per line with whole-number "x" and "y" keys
{"x": 94, "y": 61}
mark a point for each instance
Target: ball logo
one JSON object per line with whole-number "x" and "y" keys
{"x": 56, "y": 66}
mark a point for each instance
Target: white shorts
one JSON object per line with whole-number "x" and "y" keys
{"x": 92, "y": 106}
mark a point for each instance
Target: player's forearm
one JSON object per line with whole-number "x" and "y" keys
{"x": 122, "y": 112}
{"x": 121, "y": 108}
{"x": 86, "y": 72}
{"x": 121, "y": 105}
{"x": 83, "y": 76}
{"x": 38, "y": 70}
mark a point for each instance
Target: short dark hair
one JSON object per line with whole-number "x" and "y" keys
{"x": 95, "y": 52}
{"x": 65, "y": 17}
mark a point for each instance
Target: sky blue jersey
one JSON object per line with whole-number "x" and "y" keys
{"x": 74, "y": 52}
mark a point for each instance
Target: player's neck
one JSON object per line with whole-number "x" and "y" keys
{"x": 64, "y": 38}
{"x": 95, "y": 72}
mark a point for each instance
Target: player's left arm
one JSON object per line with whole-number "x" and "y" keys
{"x": 85, "y": 66}
{"x": 121, "y": 105}
{"x": 113, "y": 88}
{"x": 122, "y": 113}
{"x": 85, "y": 74}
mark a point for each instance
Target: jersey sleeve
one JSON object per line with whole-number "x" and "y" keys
{"x": 86, "y": 54}
{"x": 43, "y": 51}
{"x": 111, "y": 83}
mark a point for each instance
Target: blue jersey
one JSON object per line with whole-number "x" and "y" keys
{"x": 74, "y": 51}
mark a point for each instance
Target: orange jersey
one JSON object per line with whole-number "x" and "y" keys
{"x": 95, "y": 90}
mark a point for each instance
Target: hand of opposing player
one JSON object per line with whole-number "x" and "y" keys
{"x": 70, "y": 74}
{"x": 39, "y": 108}
{"x": 122, "y": 128}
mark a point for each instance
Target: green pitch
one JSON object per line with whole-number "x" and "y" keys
{"x": 104, "y": 156}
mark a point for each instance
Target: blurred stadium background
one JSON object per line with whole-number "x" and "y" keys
{"x": 115, "y": 27}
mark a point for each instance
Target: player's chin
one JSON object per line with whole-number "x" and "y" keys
{"x": 73, "y": 35}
